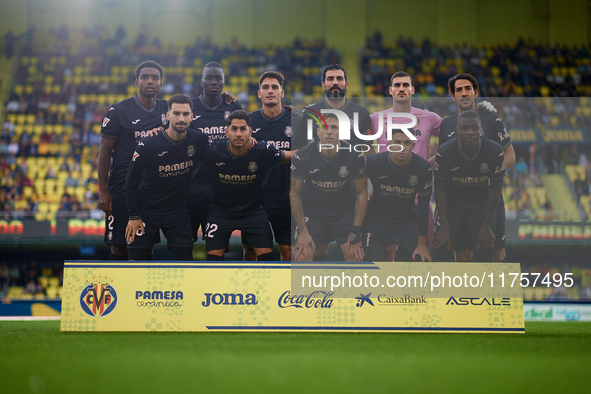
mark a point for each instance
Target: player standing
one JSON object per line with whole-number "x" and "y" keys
{"x": 464, "y": 169}
{"x": 322, "y": 202}
{"x": 238, "y": 193}
{"x": 464, "y": 90}
{"x": 210, "y": 114}
{"x": 123, "y": 127}
{"x": 157, "y": 185}
{"x": 335, "y": 84}
{"x": 274, "y": 124}
{"x": 401, "y": 89}
{"x": 398, "y": 177}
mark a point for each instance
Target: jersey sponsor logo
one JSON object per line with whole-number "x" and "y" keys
{"x": 382, "y": 176}
{"x": 455, "y": 168}
{"x": 191, "y": 150}
{"x": 450, "y": 134}
{"x": 402, "y": 192}
{"x": 111, "y": 109}
{"x": 484, "y": 168}
{"x": 196, "y": 117}
{"x": 280, "y": 144}
{"x": 226, "y": 115}
{"x": 106, "y": 121}
{"x": 175, "y": 169}
{"x": 163, "y": 153}
{"x": 468, "y": 180}
{"x": 252, "y": 166}
{"x": 343, "y": 172}
{"x": 236, "y": 179}
{"x": 135, "y": 121}
{"x": 498, "y": 120}
{"x": 221, "y": 163}
{"x": 292, "y": 167}
{"x": 413, "y": 180}
{"x": 99, "y": 297}
{"x": 217, "y": 133}
{"x": 436, "y": 166}
{"x": 328, "y": 186}
{"x": 314, "y": 170}
{"x": 255, "y": 130}
{"x": 135, "y": 155}
{"x": 499, "y": 170}
{"x": 288, "y": 132}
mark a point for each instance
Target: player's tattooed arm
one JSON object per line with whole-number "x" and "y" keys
{"x": 354, "y": 240}
{"x": 486, "y": 238}
{"x": 103, "y": 162}
{"x": 304, "y": 247}
{"x": 442, "y": 238}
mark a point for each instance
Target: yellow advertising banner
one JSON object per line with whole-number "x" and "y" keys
{"x": 257, "y": 296}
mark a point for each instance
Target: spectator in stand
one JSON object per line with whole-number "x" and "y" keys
{"x": 521, "y": 166}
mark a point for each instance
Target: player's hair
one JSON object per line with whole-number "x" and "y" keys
{"x": 180, "y": 99}
{"x": 272, "y": 74}
{"x": 238, "y": 114}
{"x": 330, "y": 116}
{"x": 333, "y": 67}
{"x": 150, "y": 64}
{"x": 451, "y": 84}
{"x": 468, "y": 114}
{"x": 400, "y": 74}
{"x": 214, "y": 65}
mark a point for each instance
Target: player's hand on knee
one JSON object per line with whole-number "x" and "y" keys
{"x": 105, "y": 202}
{"x": 134, "y": 227}
{"x": 304, "y": 247}
{"x": 422, "y": 252}
{"x": 442, "y": 238}
{"x": 487, "y": 106}
{"x": 154, "y": 131}
{"x": 486, "y": 238}
{"x": 228, "y": 97}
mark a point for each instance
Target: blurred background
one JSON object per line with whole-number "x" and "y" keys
{"x": 63, "y": 63}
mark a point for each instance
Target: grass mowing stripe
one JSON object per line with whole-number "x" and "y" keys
{"x": 549, "y": 355}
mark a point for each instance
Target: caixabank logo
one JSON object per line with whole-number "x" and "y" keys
{"x": 99, "y": 297}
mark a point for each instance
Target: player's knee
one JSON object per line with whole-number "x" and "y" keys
{"x": 265, "y": 257}
{"x": 118, "y": 252}
{"x": 499, "y": 254}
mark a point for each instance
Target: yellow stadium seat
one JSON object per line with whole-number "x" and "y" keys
{"x": 43, "y": 281}
{"x": 31, "y": 118}
{"x": 54, "y": 281}
{"x": 51, "y": 292}
{"x": 21, "y": 118}
{"x": 18, "y": 129}
{"x": 16, "y": 291}
{"x": 19, "y": 89}
{"x": 11, "y": 118}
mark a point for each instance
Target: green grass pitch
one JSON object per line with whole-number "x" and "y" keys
{"x": 35, "y": 357}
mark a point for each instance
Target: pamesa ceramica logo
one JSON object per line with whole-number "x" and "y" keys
{"x": 345, "y": 125}
{"x": 99, "y": 297}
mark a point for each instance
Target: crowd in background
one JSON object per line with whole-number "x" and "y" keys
{"x": 70, "y": 79}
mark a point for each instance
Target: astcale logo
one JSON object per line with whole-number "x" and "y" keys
{"x": 346, "y": 125}
{"x": 479, "y": 301}
{"x": 99, "y": 297}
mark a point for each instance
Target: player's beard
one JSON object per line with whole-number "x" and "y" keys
{"x": 180, "y": 131}
{"x": 467, "y": 105}
{"x": 340, "y": 94}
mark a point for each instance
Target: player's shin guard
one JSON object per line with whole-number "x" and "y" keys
{"x": 265, "y": 257}
{"x": 212, "y": 257}
{"x": 183, "y": 253}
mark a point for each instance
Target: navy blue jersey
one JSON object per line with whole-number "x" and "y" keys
{"x": 277, "y": 131}
{"x": 492, "y": 125}
{"x": 468, "y": 178}
{"x": 127, "y": 122}
{"x": 158, "y": 177}
{"x": 238, "y": 184}
{"x": 349, "y": 108}
{"x": 395, "y": 188}
{"x": 328, "y": 182}
{"x": 211, "y": 121}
